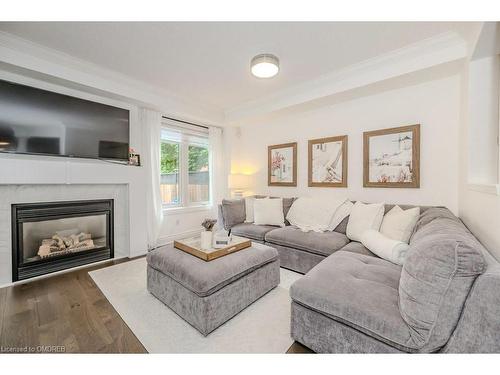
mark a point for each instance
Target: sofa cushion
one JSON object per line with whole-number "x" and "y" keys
{"x": 358, "y": 290}
{"x": 205, "y": 278}
{"x": 324, "y": 243}
{"x": 358, "y": 248}
{"x": 442, "y": 263}
{"x": 252, "y": 231}
{"x": 233, "y": 212}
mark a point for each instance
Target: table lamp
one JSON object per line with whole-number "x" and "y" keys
{"x": 238, "y": 183}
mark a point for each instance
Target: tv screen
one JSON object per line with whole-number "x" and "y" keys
{"x": 34, "y": 121}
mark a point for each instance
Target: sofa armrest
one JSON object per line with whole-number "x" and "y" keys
{"x": 478, "y": 330}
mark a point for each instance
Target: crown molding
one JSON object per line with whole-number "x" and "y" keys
{"x": 424, "y": 54}
{"x": 33, "y": 58}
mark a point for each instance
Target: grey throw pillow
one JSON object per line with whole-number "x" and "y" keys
{"x": 233, "y": 212}
{"x": 342, "y": 227}
{"x": 287, "y": 203}
{"x": 443, "y": 262}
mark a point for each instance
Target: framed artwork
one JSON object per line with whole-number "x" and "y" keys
{"x": 391, "y": 157}
{"x": 328, "y": 162}
{"x": 282, "y": 165}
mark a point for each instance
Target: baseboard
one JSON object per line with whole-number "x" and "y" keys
{"x": 171, "y": 238}
{"x": 37, "y": 278}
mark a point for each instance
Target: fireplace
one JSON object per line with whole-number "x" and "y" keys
{"x": 49, "y": 237}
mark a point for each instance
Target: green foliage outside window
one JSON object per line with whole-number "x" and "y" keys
{"x": 169, "y": 159}
{"x": 197, "y": 158}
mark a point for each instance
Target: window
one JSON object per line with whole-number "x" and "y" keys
{"x": 184, "y": 167}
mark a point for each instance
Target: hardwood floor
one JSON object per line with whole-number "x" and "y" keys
{"x": 68, "y": 313}
{"x": 298, "y": 348}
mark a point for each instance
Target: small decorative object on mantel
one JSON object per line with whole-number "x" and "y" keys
{"x": 391, "y": 157}
{"x": 133, "y": 158}
{"x": 328, "y": 162}
{"x": 206, "y": 235}
{"x": 282, "y": 165}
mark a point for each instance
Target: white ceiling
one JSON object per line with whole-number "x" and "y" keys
{"x": 209, "y": 62}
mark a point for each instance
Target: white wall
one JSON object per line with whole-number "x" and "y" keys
{"x": 434, "y": 105}
{"x": 482, "y": 131}
{"x": 184, "y": 224}
{"x": 479, "y": 201}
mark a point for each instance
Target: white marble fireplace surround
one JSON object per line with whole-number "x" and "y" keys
{"x": 29, "y": 179}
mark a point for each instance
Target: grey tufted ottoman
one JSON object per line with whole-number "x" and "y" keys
{"x": 207, "y": 294}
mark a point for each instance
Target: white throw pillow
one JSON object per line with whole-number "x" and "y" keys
{"x": 268, "y": 212}
{"x": 340, "y": 214}
{"x": 398, "y": 224}
{"x": 364, "y": 217}
{"x": 386, "y": 248}
{"x": 313, "y": 213}
{"x": 249, "y": 209}
{"x": 249, "y": 201}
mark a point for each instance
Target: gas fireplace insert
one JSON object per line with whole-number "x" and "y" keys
{"x": 49, "y": 237}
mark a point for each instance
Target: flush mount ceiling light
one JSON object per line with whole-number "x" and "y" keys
{"x": 265, "y": 65}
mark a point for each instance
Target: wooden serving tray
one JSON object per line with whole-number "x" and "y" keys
{"x": 192, "y": 246}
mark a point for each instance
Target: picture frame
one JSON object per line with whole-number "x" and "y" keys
{"x": 327, "y": 162}
{"x": 391, "y": 157}
{"x": 134, "y": 159}
{"x": 282, "y": 164}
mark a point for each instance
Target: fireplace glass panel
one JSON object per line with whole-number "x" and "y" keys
{"x": 59, "y": 237}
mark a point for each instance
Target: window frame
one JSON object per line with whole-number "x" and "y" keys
{"x": 187, "y": 137}
{"x": 179, "y": 204}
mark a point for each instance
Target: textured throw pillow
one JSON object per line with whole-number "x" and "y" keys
{"x": 364, "y": 217}
{"x": 440, "y": 268}
{"x": 340, "y": 214}
{"x": 313, "y": 213}
{"x": 269, "y": 212}
{"x": 233, "y": 212}
{"x": 399, "y": 224}
{"x": 386, "y": 248}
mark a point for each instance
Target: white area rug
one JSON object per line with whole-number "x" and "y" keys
{"x": 263, "y": 327}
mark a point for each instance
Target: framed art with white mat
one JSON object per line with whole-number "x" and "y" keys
{"x": 391, "y": 157}
{"x": 327, "y": 162}
{"x": 282, "y": 164}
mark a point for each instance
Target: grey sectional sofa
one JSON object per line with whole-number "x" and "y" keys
{"x": 445, "y": 298}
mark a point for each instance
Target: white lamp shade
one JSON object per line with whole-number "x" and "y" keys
{"x": 238, "y": 181}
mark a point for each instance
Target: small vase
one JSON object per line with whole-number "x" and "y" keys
{"x": 206, "y": 240}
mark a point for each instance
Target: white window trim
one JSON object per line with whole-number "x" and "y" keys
{"x": 185, "y": 141}
{"x": 493, "y": 189}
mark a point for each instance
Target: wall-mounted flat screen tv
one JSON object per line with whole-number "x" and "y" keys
{"x": 34, "y": 121}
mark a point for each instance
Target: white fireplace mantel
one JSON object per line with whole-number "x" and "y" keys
{"x": 46, "y": 172}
